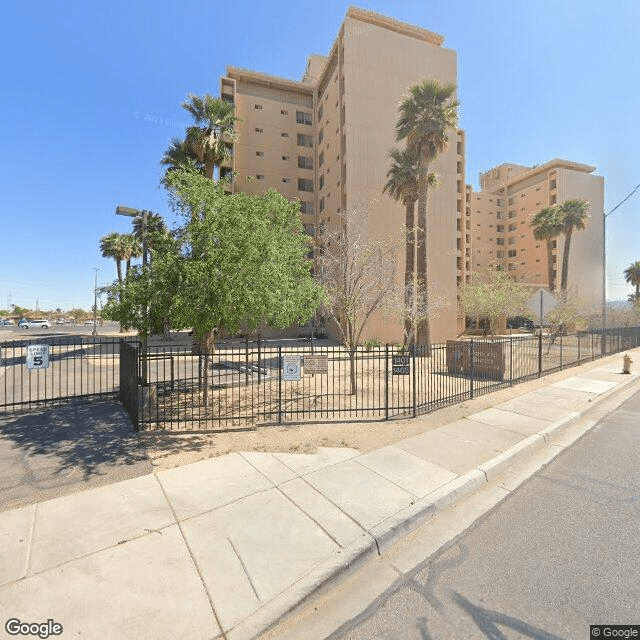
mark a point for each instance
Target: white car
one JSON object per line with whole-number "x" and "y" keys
{"x": 59, "y": 321}
{"x": 36, "y": 324}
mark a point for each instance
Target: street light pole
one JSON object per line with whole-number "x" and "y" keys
{"x": 95, "y": 302}
{"x": 604, "y": 269}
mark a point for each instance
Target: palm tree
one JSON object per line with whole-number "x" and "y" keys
{"x": 178, "y": 155}
{"x": 402, "y": 186}
{"x": 156, "y": 229}
{"x": 427, "y": 114}
{"x": 113, "y": 246}
{"x": 574, "y": 214}
{"x": 132, "y": 248}
{"x": 214, "y": 126}
{"x": 632, "y": 276}
{"x": 547, "y": 225}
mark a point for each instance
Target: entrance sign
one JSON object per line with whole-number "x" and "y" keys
{"x": 37, "y": 356}
{"x": 316, "y": 364}
{"x": 400, "y": 365}
{"x": 291, "y": 366}
{"x": 488, "y": 359}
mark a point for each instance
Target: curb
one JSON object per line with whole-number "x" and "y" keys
{"x": 393, "y": 529}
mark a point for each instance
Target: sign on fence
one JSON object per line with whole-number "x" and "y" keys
{"x": 37, "y": 356}
{"x": 316, "y": 364}
{"x": 291, "y": 367}
{"x": 400, "y": 365}
{"x": 487, "y": 362}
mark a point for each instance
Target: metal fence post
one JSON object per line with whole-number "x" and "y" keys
{"x": 510, "y": 361}
{"x": 560, "y": 353}
{"x": 540, "y": 353}
{"x": 471, "y": 389}
{"x": 386, "y": 381}
{"x": 259, "y": 361}
{"x": 246, "y": 361}
{"x": 279, "y": 385}
{"x": 413, "y": 366}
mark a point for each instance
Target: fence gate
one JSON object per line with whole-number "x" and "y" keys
{"x": 46, "y": 371}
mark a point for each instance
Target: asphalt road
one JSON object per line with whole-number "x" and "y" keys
{"x": 558, "y": 555}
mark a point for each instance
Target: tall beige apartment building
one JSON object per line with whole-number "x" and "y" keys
{"x": 501, "y": 213}
{"x": 325, "y": 141}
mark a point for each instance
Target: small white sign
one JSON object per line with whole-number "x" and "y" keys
{"x": 291, "y": 367}
{"x": 37, "y": 356}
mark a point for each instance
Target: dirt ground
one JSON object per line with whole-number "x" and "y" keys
{"x": 172, "y": 449}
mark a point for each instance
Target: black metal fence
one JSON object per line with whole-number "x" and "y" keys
{"x": 54, "y": 370}
{"x": 243, "y": 384}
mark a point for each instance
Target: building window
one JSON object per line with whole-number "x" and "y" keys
{"x": 305, "y": 162}
{"x": 500, "y": 254}
{"x": 284, "y": 112}
{"x": 320, "y": 136}
{"x": 512, "y": 240}
{"x": 320, "y": 112}
{"x": 499, "y": 228}
{"x": 512, "y": 214}
{"x": 321, "y": 181}
{"x": 321, "y": 159}
{"x": 227, "y": 98}
{"x": 512, "y": 227}
{"x": 259, "y": 130}
{"x": 284, "y": 135}
{"x": 498, "y": 240}
{"x": 259, "y": 177}
{"x": 321, "y": 204}
{"x": 285, "y": 158}
{"x": 260, "y": 154}
{"x": 305, "y": 185}
{"x": 304, "y": 140}
{"x": 306, "y": 207}
{"x": 286, "y": 180}
{"x": 309, "y": 229}
{"x": 302, "y": 117}
{"x": 512, "y": 253}
{"x": 257, "y": 106}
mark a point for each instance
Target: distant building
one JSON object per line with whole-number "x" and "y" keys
{"x": 501, "y": 213}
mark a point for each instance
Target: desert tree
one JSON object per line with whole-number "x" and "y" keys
{"x": 358, "y": 275}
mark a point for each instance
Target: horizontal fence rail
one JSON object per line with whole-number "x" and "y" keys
{"x": 239, "y": 385}
{"x": 54, "y": 370}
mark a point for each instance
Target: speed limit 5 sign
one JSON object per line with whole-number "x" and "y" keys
{"x": 37, "y": 356}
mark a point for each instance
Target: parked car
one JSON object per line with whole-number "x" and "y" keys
{"x": 23, "y": 323}
{"x": 36, "y": 324}
{"x": 59, "y": 321}
{"x": 89, "y": 322}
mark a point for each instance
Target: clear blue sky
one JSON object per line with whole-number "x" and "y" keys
{"x": 91, "y": 94}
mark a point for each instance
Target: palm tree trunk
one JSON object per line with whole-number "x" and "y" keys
{"x": 565, "y": 263}
{"x": 208, "y": 168}
{"x": 423, "y": 330}
{"x": 550, "y": 266}
{"x": 409, "y": 272}
{"x": 119, "y": 269}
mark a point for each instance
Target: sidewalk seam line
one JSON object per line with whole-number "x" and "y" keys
{"x": 193, "y": 560}
{"x": 244, "y": 568}
{"x": 31, "y": 539}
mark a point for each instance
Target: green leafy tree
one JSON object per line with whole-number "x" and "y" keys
{"x": 427, "y": 115}
{"x": 547, "y": 226}
{"x": 239, "y": 259}
{"x": 494, "y": 295}
{"x": 632, "y": 276}
{"x": 574, "y": 214}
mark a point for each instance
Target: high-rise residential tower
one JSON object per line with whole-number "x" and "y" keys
{"x": 325, "y": 141}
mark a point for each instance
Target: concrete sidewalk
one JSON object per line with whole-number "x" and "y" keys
{"x": 231, "y": 544}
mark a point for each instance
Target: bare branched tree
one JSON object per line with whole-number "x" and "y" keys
{"x": 358, "y": 275}
{"x": 415, "y": 305}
